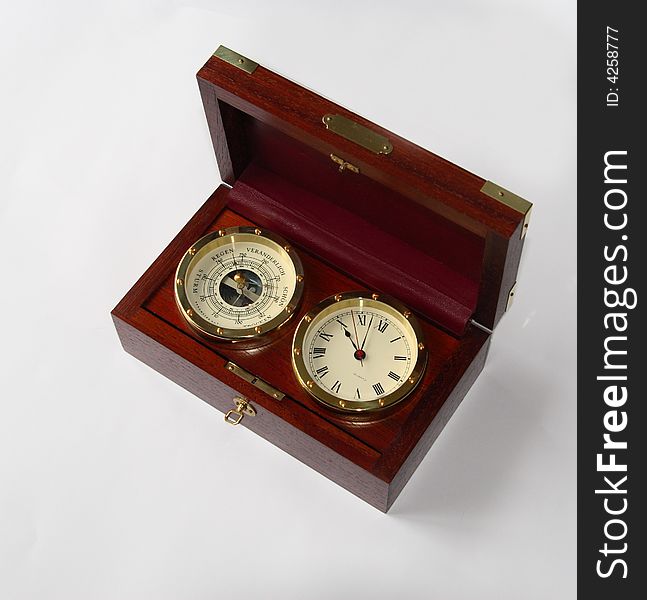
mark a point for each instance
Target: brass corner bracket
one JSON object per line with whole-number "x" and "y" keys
{"x": 235, "y": 59}
{"x": 521, "y": 205}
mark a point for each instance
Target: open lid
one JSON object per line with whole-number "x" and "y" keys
{"x": 397, "y": 217}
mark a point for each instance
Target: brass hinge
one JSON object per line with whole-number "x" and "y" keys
{"x": 521, "y": 205}
{"x": 511, "y": 294}
{"x": 233, "y": 58}
{"x": 255, "y": 381}
{"x": 349, "y": 129}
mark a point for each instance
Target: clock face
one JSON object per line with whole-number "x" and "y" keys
{"x": 359, "y": 352}
{"x": 239, "y": 283}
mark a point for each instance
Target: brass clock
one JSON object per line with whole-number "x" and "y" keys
{"x": 239, "y": 283}
{"x": 359, "y": 352}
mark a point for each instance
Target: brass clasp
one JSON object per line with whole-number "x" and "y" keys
{"x": 343, "y": 164}
{"x": 235, "y": 415}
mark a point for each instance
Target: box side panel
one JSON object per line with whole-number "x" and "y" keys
{"x": 269, "y": 426}
{"x": 500, "y": 267}
{"x": 437, "y": 425}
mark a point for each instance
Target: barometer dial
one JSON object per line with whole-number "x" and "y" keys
{"x": 359, "y": 352}
{"x": 239, "y": 283}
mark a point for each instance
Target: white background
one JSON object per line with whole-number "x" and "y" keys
{"x": 117, "y": 484}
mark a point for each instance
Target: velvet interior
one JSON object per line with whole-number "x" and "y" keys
{"x": 382, "y": 238}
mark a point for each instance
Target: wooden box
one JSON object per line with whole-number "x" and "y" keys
{"x": 366, "y": 209}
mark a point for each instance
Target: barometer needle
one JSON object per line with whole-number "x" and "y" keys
{"x": 228, "y": 281}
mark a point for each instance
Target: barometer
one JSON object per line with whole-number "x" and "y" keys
{"x": 238, "y": 283}
{"x": 359, "y": 352}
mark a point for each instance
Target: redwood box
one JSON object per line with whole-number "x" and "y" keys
{"x": 365, "y": 209}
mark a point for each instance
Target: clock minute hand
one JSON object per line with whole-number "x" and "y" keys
{"x": 359, "y": 355}
{"x": 366, "y": 334}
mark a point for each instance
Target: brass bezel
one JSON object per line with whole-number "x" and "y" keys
{"x": 332, "y": 303}
{"x": 269, "y": 239}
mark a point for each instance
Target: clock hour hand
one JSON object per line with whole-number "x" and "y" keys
{"x": 359, "y": 354}
{"x": 348, "y": 334}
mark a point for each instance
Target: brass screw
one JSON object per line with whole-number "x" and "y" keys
{"x": 385, "y": 147}
{"x": 179, "y": 281}
{"x": 407, "y": 314}
{"x": 421, "y": 346}
{"x": 257, "y": 329}
{"x": 221, "y": 232}
{"x": 257, "y": 231}
{"x": 287, "y": 248}
{"x": 297, "y": 351}
{"x": 381, "y": 402}
{"x": 218, "y": 330}
{"x": 501, "y": 193}
{"x": 337, "y": 297}
{"x": 241, "y": 61}
{"x": 307, "y": 318}
{"x": 375, "y": 296}
{"x": 191, "y": 251}
{"x": 230, "y": 367}
{"x": 288, "y": 309}
{"x": 189, "y": 312}
{"x": 342, "y": 403}
{"x": 309, "y": 383}
{"x": 275, "y": 395}
{"x": 299, "y": 278}
{"x": 412, "y": 379}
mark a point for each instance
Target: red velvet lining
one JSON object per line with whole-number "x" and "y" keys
{"x": 310, "y": 169}
{"x": 372, "y": 254}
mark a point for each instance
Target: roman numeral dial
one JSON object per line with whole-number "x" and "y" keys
{"x": 359, "y": 352}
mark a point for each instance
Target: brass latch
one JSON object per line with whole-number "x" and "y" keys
{"x": 343, "y": 164}
{"x": 235, "y": 415}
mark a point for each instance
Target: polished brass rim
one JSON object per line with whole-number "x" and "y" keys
{"x": 367, "y": 299}
{"x": 219, "y": 238}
